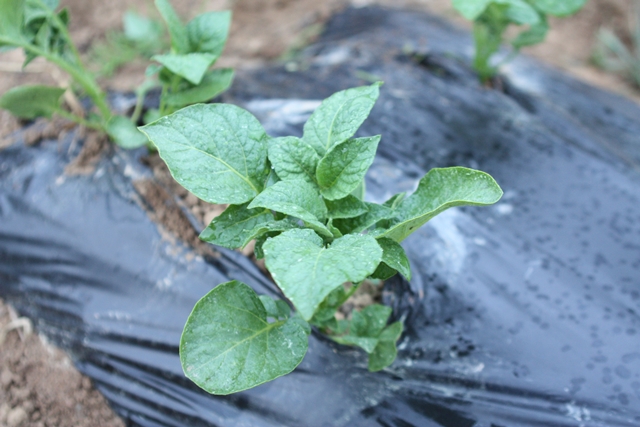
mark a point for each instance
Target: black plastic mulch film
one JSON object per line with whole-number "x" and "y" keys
{"x": 526, "y": 313}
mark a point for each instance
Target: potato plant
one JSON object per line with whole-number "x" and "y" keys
{"x": 491, "y": 18}
{"x": 41, "y": 30}
{"x": 301, "y": 200}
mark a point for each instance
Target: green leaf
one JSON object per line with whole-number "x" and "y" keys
{"x": 233, "y": 227}
{"x": 344, "y": 166}
{"x": 348, "y": 207}
{"x": 385, "y": 352}
{"x": 471, "y": 9}
{"x": 441, "y": 189}
{"x": 276, "y": 309}
{"x": 293, "y": 158}
{"x": 140, "y": 29}
{"x": 177, "y": 30}
{"x": 29, "y": 102}
{"x": 395, "y": 200}
{"x": 271, "y": 228}
{"x": 307, "y": 272}
{"x": 358, "y": 224}
{"x": 534, "y": 35}
{"x": 383, "y": 272}
{"x": 217, "y": 151}
{"x": 228, "y": 346}
{"x": 339, "y": 117}
{"x": 208, "y": 32}
{"x": 125, "y": 133}
{"x": 11, "y": 19}
{"x": 521, "y": 12}
{"x": 559, "y": 7}
{"x": 191, "y": 66}
{"x": 393, "y": 256}
{"x": 213, "y": 83}
{"x": 365, "y": 327}
{"x": 295, "y": 198}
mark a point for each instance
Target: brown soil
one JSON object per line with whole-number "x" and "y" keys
{"x": 38, "y": 386}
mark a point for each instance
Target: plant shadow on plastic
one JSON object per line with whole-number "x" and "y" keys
{"x": 302, "y": 201}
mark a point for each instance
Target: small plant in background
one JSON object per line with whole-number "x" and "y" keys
{"x": 613, "y": 55}
{"x": 139, "y": 39}
{"x": 301, "y": 199}
{"x": 492, "y": 18}
{"x": 183, "y": 74}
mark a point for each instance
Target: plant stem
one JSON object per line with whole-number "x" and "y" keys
{"x": 79, "y": 120}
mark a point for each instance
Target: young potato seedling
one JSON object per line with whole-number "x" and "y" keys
{"x": 491, "y": 18}
{"x": 184, "y": 74}
{"x": 301, "y": 200}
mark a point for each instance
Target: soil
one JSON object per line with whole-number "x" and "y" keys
{"x": 38, "y": 385}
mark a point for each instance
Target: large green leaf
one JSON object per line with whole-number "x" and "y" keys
{"x": 307, "y": 271}
{"x": 228, "y": 346}
{"x": 348, "y": 207}
{"x": 125, "y": 133}
{"x": 559, "y": 7}
{"x": 11, "y": 19}
{"x": 213, "y": 83}
{"x": 177, "y": 30}
{"x": 234, "y": 226}
{"x": 339, "y": 117}
{"x": 293, "y": 158}
{"x": 439, "y": 190}
{"x": 218, "y": 151}
{"x": 344, "y": 166}
{"x": 270, "y": 229}
{"x": 29, "y": 102}
{"x": 208, "y": 32}
{"x": 296, "y": 198}
{"x": 191, "y": 66}
{"x": 471, "y": 9}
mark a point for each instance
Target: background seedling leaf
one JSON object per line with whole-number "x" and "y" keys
{"x": 441, "y": 189}
{"x": 228, "y": 346}
{"x": 125, "y": 133}
{"x": 296, "y": 198}
{"x": 394, "y": 256}
{"x": 191, "y": 66}
{"x": 29, "y": 102}
{"x": 534, "y": 35}
{"x": 11, "y": 19}
{"x": 385, "y": 352}
{"x": 307, "y": 272}
{"x": 208, "y": 32}
{"x": 177, "y": 30}
{"x": 559, "y": 7}
{"x": 213, "y": 83}
{"x": 521, "y": 12}
{"x": 471, "y": 9}
{"x": 293, "y": 158}
{"x": 140, "y": 28}
{"x": 232, "y": 228}
{"x": 348, "y": 207}
{"x": 339, "y": 117}
{"x": 344, "y": 166}
{"x": 217, "y": 151}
